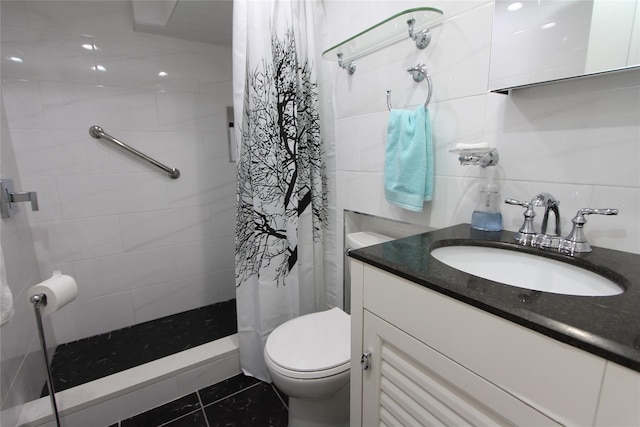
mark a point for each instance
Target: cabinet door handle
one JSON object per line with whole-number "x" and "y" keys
{"x": 364, "y": 360}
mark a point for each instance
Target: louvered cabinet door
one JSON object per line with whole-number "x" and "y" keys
{"x": 408, "y": 383}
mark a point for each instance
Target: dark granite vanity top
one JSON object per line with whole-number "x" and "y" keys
{"x": 607, "y": 326}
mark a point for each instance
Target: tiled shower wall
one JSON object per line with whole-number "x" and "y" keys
{"x": 139, "y": 244}
{"x": 578, "y": 140}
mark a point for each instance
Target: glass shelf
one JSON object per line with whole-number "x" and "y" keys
{"x": 383, "y": 34}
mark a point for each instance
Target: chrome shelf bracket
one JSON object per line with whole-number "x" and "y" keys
{"x": 422, "y": 38}
{"x": 351, "y": 68}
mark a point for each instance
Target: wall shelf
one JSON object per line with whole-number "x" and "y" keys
{"x": 413, "y": 23}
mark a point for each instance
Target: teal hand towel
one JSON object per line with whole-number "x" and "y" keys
{"x": 408, "y": 169}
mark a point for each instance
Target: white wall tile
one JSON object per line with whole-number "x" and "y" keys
{"x": 58, "y": 152}
{"x": 81, "y": 319}
{"x": 348, "y": 144}
{"x": 113, "y": 274}
{"x": 192, "y": 111}
{"x": 549, "y": 125}
{"x": 14, "y": 13}
{"x": 364, "y": 192}
{"x": 204, "y": 257}
{"x": 179, "y": 226}
{"x": 97, "y": 195}
{"x": 224, "y": 219}
{"x": 227, "y": 284}
{"x": 459, "y": 65}
{"x": 372, "y": 132}
{"x": 139, "y": 65}
{"x": 41, "y": 59}
{"x": 204, "y": 187}
{"x": 23, "y": 104}
{"x": 175, "y": 296}
{"x": 75, "y": 106}
{"x": 621, "y": 232}
{"x": 65, "y": 241}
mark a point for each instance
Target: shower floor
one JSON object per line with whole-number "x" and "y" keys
{"x": 96, "y": 357}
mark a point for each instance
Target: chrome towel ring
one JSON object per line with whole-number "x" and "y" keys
{"x": 419, "y": 73}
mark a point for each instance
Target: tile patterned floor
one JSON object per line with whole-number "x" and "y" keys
{"x": 95, "y": 357}
{"x": 239, "y": 401}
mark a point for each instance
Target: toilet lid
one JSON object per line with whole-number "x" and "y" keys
{"x": 313, "y": 342}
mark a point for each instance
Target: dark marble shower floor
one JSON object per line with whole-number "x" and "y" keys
{"x": 96, "y": 357}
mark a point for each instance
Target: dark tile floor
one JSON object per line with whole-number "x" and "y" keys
{"x": 95, "y": 357}
{"x": 238, "y": 401}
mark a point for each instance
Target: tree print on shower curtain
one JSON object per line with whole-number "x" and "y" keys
{"x": 281, "y": 171}
{"x": 282, "y": 196}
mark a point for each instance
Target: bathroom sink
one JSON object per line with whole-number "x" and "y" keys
{"x": 525, "y": 270}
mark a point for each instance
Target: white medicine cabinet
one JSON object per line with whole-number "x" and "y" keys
{"x": 539, "y": 41}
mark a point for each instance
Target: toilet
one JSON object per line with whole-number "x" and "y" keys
{"x": 308, "y": 359}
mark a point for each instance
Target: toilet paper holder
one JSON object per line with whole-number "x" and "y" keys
{"x": 39, "y": 301}
{"x": 9, "y": 198}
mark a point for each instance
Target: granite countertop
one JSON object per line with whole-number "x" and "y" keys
{"x": 607, "y": 326}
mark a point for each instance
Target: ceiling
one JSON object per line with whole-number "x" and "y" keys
{"x": 200, "y": 20}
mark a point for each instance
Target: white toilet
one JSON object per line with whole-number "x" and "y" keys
{"x": 308, "y": 358}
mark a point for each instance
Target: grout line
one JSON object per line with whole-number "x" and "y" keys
{"x": 231, "y": 395}
{"x": 206, "y": 420}
{"x": 181, "y": 416}
{"x": 279, "y": 396}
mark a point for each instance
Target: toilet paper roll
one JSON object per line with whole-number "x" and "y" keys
{"x": 60, "y": 290}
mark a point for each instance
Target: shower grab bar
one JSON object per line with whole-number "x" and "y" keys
{"x": 97, "y": 132}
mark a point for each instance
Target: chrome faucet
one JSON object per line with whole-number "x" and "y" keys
{"x": 543, "y": 239}
{"x": 527, "y": 234}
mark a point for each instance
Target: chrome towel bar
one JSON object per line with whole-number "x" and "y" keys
{"x": 97, "y": 132}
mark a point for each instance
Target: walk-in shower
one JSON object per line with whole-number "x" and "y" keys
{"x": 140, "y": 245}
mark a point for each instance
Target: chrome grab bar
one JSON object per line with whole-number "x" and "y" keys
{"x": 97, "y": 132}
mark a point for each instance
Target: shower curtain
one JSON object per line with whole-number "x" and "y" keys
{"x": 282, "y": 210}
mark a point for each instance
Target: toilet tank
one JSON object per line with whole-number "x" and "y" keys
{"x": 363, "y": 239}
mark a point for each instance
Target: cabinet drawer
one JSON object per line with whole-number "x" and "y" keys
{"x": 552, "y": 377}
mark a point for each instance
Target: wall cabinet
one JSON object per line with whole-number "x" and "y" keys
{"x": 437, "y": 360}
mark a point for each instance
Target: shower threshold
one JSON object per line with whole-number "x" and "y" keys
{"x": 133, "y": 391}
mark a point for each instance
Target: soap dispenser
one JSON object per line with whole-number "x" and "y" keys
{"x": 487, "y": 216}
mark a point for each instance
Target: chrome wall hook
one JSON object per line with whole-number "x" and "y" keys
{"x": 419, "y": 72}
{"x": 422, "y": 38}
{"x": 351, "y": 68}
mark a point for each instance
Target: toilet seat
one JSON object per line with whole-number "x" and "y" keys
{"x": 315, "y": 345}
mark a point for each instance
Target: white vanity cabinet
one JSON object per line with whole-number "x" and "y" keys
{"x": 436, "y": 360}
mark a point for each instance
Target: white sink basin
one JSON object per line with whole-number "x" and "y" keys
{"x": 526, "y": 271}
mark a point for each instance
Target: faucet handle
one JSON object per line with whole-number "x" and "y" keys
{"x": 526, "y": 234}
{"x": 576, "y": 241}
{"x": 589, "y": 211}
{"x": 511, "y": 201}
